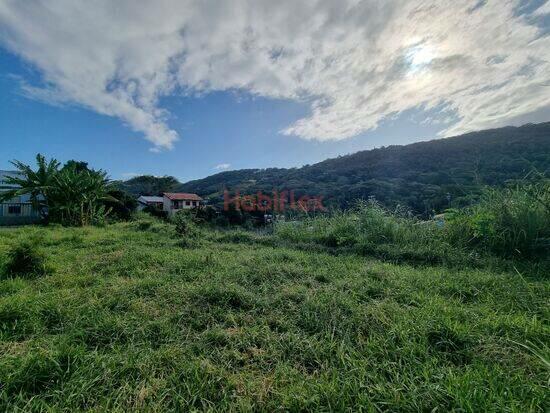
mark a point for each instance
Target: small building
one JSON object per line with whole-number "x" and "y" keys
{"x": 18, "y": 210}
{"x": 156, "y": 202}
{"x": 173, "y": 202}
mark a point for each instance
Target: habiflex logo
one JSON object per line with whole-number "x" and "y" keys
{"x": 276, "y": 202}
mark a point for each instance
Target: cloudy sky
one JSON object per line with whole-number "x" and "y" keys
{"x": 191, "y": 88}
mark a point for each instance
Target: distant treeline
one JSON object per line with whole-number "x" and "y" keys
{"x": 426, "y": 177}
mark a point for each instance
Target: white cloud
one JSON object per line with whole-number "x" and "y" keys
{"x": 129, "y": 175}
{"x": 355, "y": 62}
{"x": 222, "y": 166}
{"x": 544, "y": 9}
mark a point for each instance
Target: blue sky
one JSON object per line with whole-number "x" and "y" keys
{"x": 217, "y": 129}
{"x": 188, "y": 90}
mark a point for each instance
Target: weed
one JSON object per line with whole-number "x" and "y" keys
{"x": 25, "y": 259}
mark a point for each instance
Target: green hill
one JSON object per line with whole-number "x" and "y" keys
{"x": 425, "y": 176}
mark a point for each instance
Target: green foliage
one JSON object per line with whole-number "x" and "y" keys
{"x": 149, "y": 185}
{"x": 77, "y": 197}
{"x": 510, "y": 222}
{"x": 371, "y": 229}
{"x": 25, "y": 259}
{"x": 204, "y": 214}
{"x": 155, "y": 211}
{"x": 72, "y": 195}
{"x": 121, "y": 204}
{"x": 186, "y": 228}
{"x": 142, "y": 221}
{"x": 183, "y": 221}
{"x": 38, "y": 184}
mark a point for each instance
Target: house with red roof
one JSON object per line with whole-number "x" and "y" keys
{"x": 175, "y": 201}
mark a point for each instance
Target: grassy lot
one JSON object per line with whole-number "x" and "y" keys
{"x": 129, "y": 318}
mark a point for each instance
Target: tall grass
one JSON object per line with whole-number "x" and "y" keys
{"x": 371, "y": 229}
{"x": 510, "y": 223}
{"x": 25, "y": 259}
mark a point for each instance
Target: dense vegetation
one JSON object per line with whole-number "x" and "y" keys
{"x": 150, "y": 315}
{"x": 149, "y": 185}
{"x": 510, "y": 223}
{"x": 425, "y": 177}
{"x": 71, "y": 195}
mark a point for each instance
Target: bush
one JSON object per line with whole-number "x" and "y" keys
{"x": 367, "y": 223}
{"x": 205, "y": 214}
{"x": 121, "y": 204}
{"x": 510, "y": 222}
{"x": 186, "y": 228}
{"x": 24, "y": 258}
{"x": 156, "y": 212}
{"x": 142, "y": 221}
{"x": 184, "y": 223}
{"x": 221, "y": 221}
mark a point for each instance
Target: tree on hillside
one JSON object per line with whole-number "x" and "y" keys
{"x": 427, "y": 177}
{"x": 150, "y": 185}
{"x": 80, "y": 166}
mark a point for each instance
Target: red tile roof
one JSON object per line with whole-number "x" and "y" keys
{"x": 182, "y": 196}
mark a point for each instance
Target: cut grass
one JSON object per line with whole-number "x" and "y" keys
{"x": 128, "y": 319}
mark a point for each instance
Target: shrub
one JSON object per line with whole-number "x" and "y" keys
{"x": 205, "y": 214}
{"x": 186, "y": 229}
{"x": 221, "y": 221}
{"x": 156, "y": 212}
{"x": 121, "y": 204}
{"x": 237, "y": 237}
{"x": 509, "y": 222}
{"x": 24, "y": 258}
{"x": 142, "y": 221}
{"x": 185, "y": 226}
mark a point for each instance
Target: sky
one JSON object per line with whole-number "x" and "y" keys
{"x": 189, "y": 88}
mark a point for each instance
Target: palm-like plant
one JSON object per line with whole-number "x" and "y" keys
{"x": 79, "y": 196}
{"x": 38, "y": 184}
{"x": 73, "y": 195}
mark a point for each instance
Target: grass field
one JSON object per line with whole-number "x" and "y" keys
{"x": 129, "y": 318}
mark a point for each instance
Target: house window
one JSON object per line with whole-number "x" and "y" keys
{"x": 14, "y": 210}
{"x": 187, "y": 203}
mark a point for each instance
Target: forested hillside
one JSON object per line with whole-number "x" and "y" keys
{"x": 425, "y": 176}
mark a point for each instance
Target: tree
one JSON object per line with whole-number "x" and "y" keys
{"x": 150, "y": 185}
{"x": 38, "y": 184}
{"x": 78, "y": 196}
{"x": 80, "y": 166}
{"x": 124, "y": 206}
{"x": 73, "y": 195}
